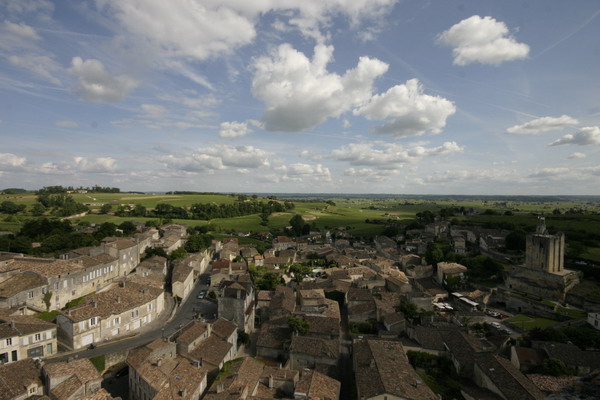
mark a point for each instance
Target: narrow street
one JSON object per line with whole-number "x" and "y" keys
{"x": 346, "y": 372}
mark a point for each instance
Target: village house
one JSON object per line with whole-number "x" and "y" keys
{"x": 117, "y": 312}
{"x": 157, "y": 372}
{"x": 382, "y": 370}
{"x": 71, "y": 380}
{"x": 236, "y": 302}
{"x": 282, "y": 243}
{"x": 182, "y": 281}
{"x": 20, "y": 380}
{"x": 23, "y": 336}
{"x": 447, "y": 270}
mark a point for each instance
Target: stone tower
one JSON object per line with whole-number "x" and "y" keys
{"x": 544, "y": 251}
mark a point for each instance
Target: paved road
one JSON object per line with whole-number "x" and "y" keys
{"x": 186, "y": 313}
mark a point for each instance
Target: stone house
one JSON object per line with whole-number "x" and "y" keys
{"x": 236, "y": 302}
{"x": 117, "y": 312}
{"x": 447, "y": 270}
{"x": 23, "y": 336}
{"x": 282, "y": 243}
{"x": 20, "y": 380}
{"x": 157, "y": 372}
{"x": 314, "y": 353}
{"x": 71, "y": 380}
{"x": 182, "y": 281}
{"x": 382, "y": 371}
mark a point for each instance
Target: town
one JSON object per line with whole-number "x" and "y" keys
{"x": 317, "y": 314}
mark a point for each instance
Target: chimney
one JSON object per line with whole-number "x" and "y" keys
{"x": 182, "y": 392}
{"x": 159, "y": 362}
{"x": 118, "y": 299}
{"x": 220, "y": 388}
{"x": 94, "y": 303}
{"x": 122, "y": 284}
{"x": 270, "y": 381}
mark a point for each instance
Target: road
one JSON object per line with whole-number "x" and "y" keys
{"x": 186, "y": 313}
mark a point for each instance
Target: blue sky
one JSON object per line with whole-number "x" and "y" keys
{"x": 334, "y": 96}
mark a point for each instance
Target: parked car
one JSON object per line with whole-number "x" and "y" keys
{"x": 202, "y": 294}
{"x": 495, "y": 325}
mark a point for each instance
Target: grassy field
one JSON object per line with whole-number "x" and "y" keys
{"x": 527, "y": 322}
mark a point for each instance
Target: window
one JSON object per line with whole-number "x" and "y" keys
{"x": 30, "y": 295}
{"x": 92, "y": 321}
{"x": 150, "y": 307}
{"x": 9, "y": 341}
{"x": 37, "y": 337}
{"x": 116, "y": 321}
{"x": 44, "y": 290}
{"x": 32, "y": 390}
{"x": 134, "y": 313}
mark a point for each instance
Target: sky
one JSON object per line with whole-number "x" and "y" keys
{"x": 302, "y": 96}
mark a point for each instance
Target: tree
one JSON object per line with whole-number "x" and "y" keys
{"x": 298, "y": 325}
{"x": 516, "y": 240}
{"x": 10, "y": 207}
{"x": 177, "y": 253}
{"x": 37, "y": 210}
{"x": 154, "y": 251}
{"x": 434, "y": 253}
{"x": 297, "y": 223}
{"x": 128, "y": 227}
{"x": 105, "y": 209}
{"x": 555, "y": 367}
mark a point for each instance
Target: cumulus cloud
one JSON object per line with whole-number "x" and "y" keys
{"x": 389, "y": 155}
{"x": 369, "y": 174}
{"x": 67, "y": 124}
{"x": 98, "y": 164}
{"x": 483, "y": 40}
{"x": 9, "y": 162}
{"x": 311, "y": 155}
{"x": 95, "y": 84}
{"x": 234, "y": 129}
{"x": 576, "y": 155}
{"x": 194, "y": 29}
{"x": 543, "y": 124}
{"x": 299, "y": 93}
{"x": 218, "y": 157}
{"x": 589, "y": 135}
{"x": 301, "y": 172}
{"x": 43, "y": 7}
{"x": 408, "y": 110}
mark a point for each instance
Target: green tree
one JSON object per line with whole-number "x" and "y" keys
{"x": 297, "y": 223}
{"x": 105, "y": 209}
{"x": 128, "y": 228}
{"x": 10, "y": 207}
{"x": 298, "y": 325}
{"x": 555, "y": 367}
{"x": 434, "y": 253}
{"x": 177, "y": 254}
{"x": 516, "y": 240}
{"x": 37, "y": 210}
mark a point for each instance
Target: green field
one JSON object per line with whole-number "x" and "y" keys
{"x": 527, "y": 322}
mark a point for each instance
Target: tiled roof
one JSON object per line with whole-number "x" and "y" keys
{"x": 18, "y": 325}
{"x": 323, "y": 325}
{"x": 243, "y": 374}
{"x": 273, "y": 336}
{"x": 67, "y": 388}
{"x": 212, "y": 350}
{"x": 318, "y": 347}
{"x": 83, "y": 369}
{"x": 181, "y": 272}
{"x": 314, "y": 385}
{"x": 92, "y": 261}
{"x": 114, "y": 301}
{"x": 19, "y": 283}
{"x": 383, "y": 368}
{"x": 192, "y": 331}
{"x": 101, "y": 394}
{"x": 509, "y": 380}
{"x": 16, "y": 377}
{"x": 223, "y": 328}
{"x": 47, "y": 267}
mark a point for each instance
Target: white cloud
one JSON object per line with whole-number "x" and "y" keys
{"x": 311, "y": 155}
{"x": 9, "y": 162}
{"x": 577, "y": 155}
{"x": 234, "y": 129}
{"x": 98, "y": 164}
{"x": 589, "y": 135}
{"x": 96, "y": 84}
{"x": 346, "y": 124}
{"x": 20, "y": 47}
{"x": 300, "y": 93}
{"x": 543, "y": 124}
{"x": 482, "y": 40}
{"x": 194, "y": 29}
{"x": 304, "y": 173}
{"x": 390, "y": 155}
{"x": 67, "y": 124}
{"x": 43, "y": 7}
{"x": 153, "y": 111}
{"x": 218, "y": 157}
{"x": 23, "y": 30}
{"x": 39, "y": 64}
{"x": 410, "y": 112}
{"x": 368, "y": 175}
